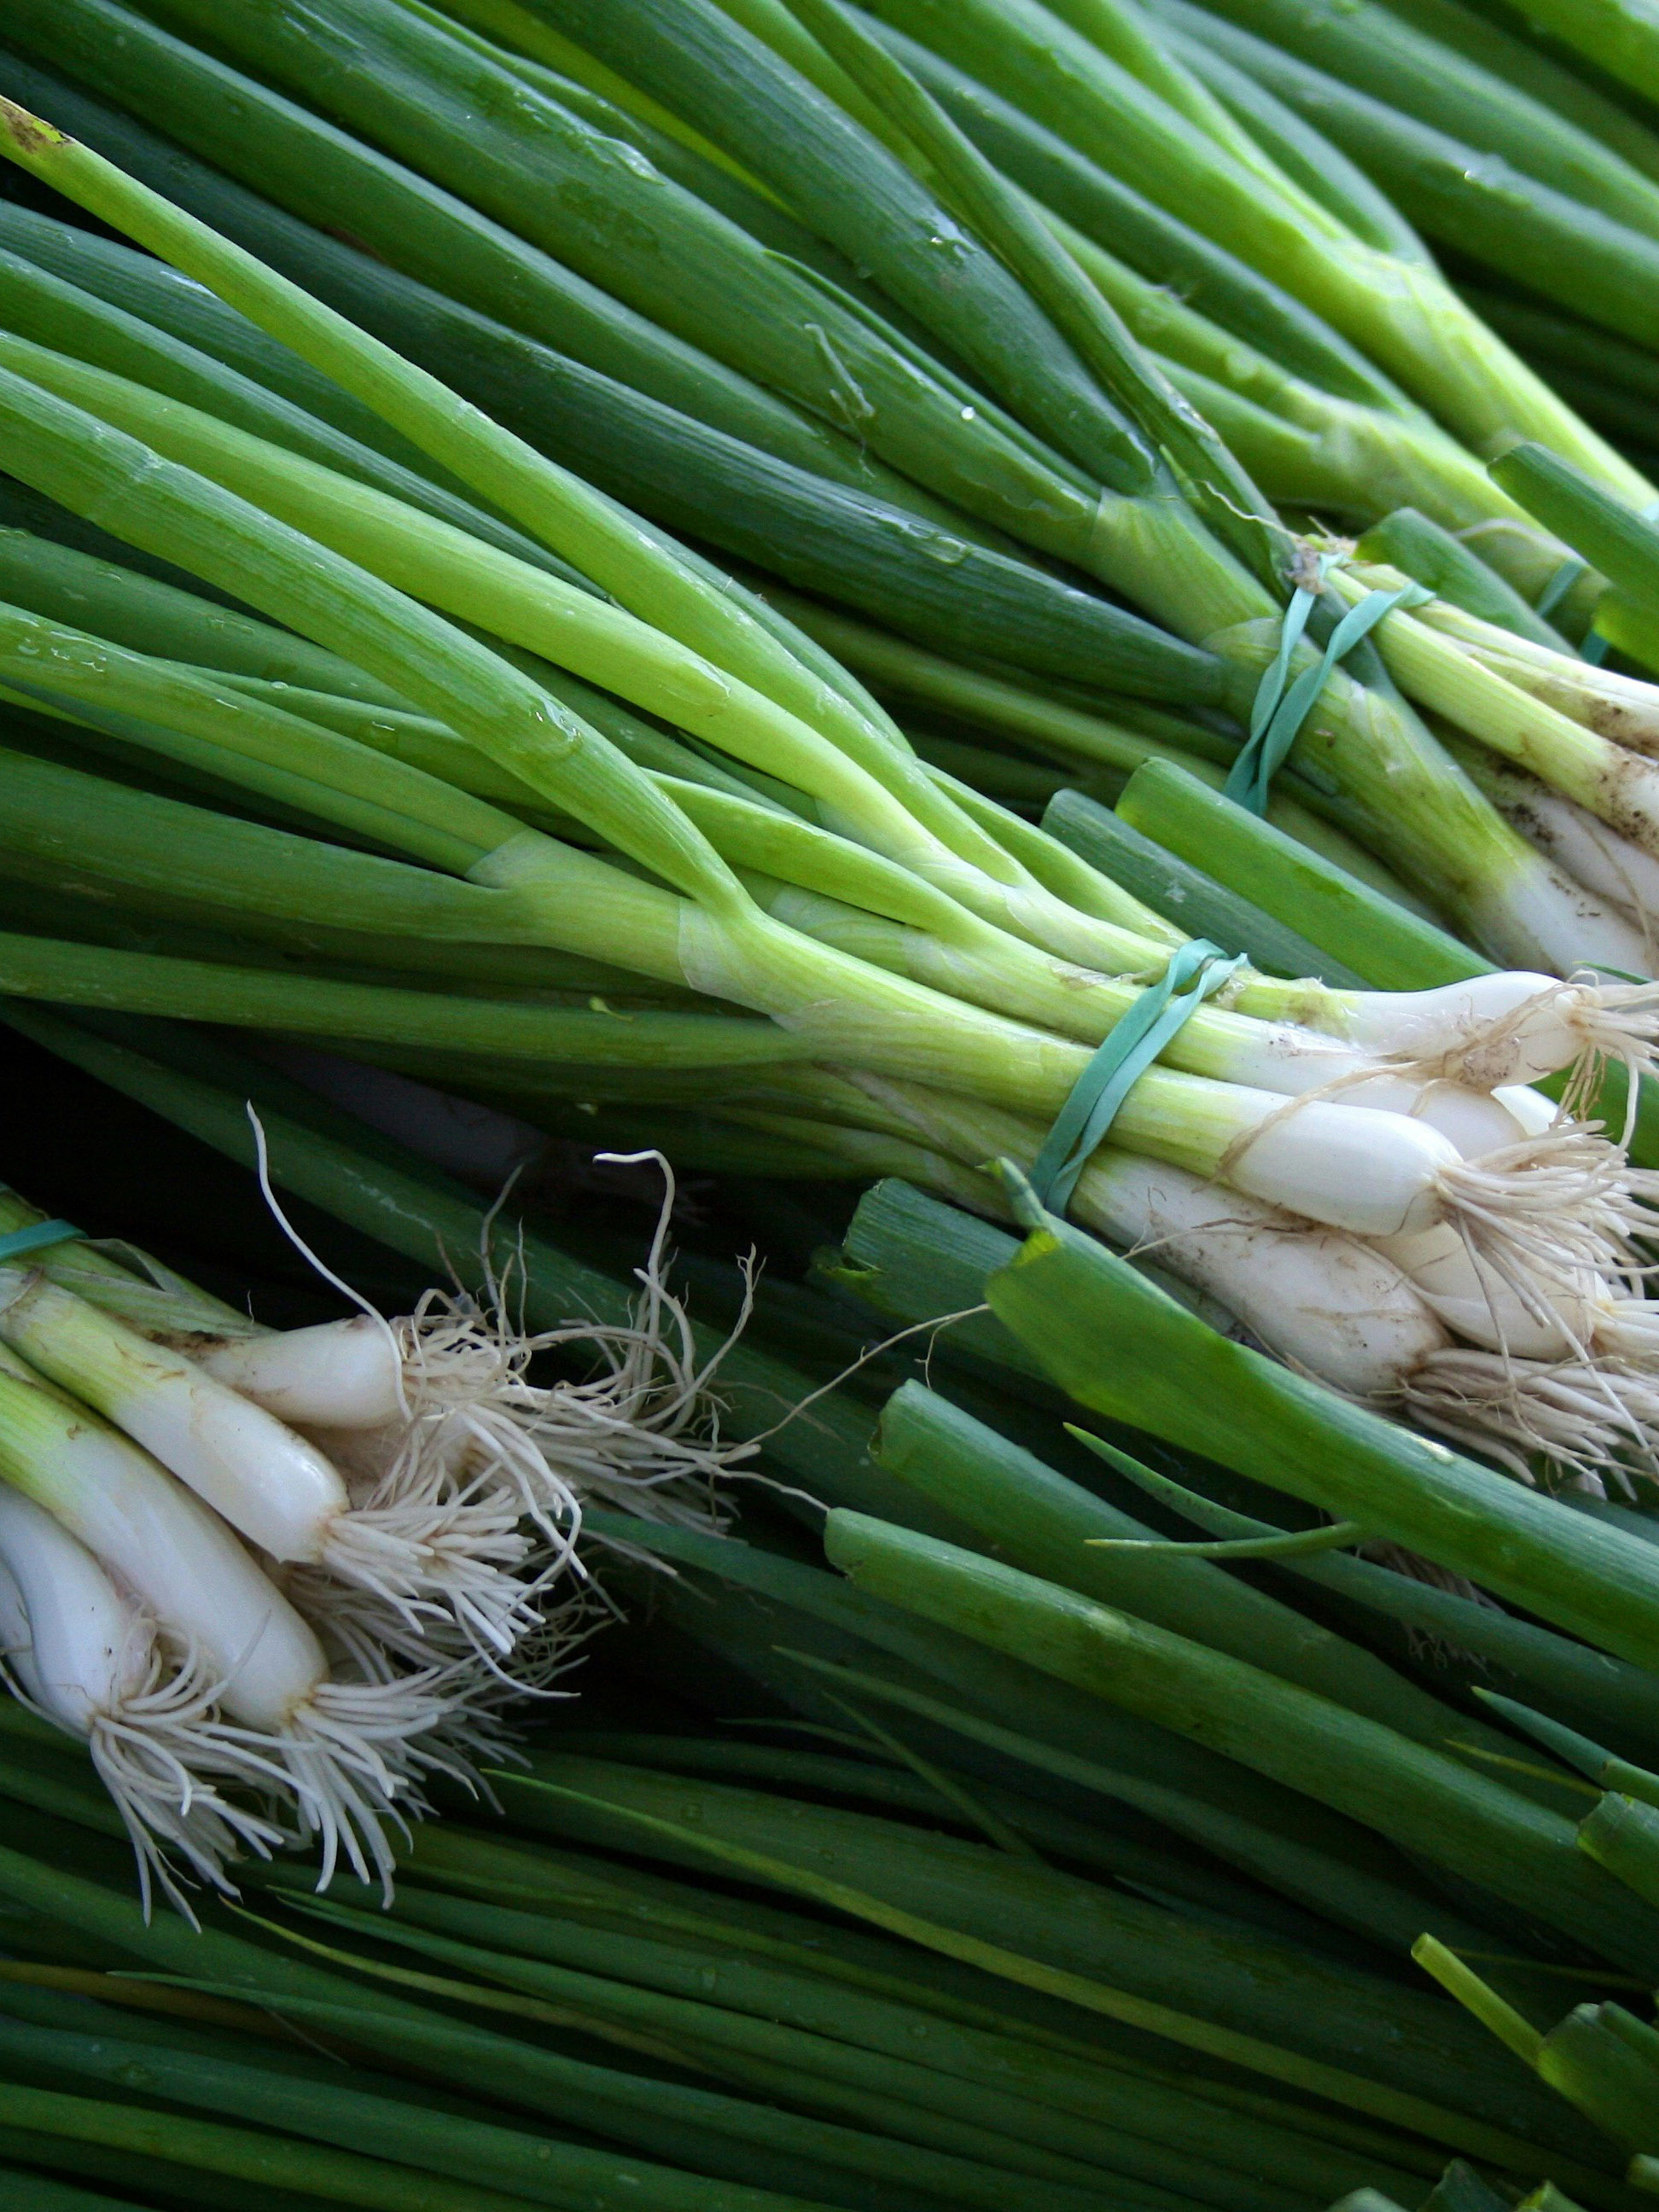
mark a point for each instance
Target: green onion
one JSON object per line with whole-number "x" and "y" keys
{"x": 87, "y": 1658}
{"x": 1172, "y": 807}
{"x": 1412, "y": 1793}
{"x": 1191, "y": 1125}
{"x": 351, "y": 2122}
{"x": 320, "y": 1157}
{"x": 1158, "y": 245}
{"x": 699, "y": 478}
{"x": 1567, "y": 1672}
{"x": 932, "y": 2126}
{"x": 1520, "y": 61}
{"x": 1422, "y": 335}
{"x": 151, "y": 293}
{"x": 416, "y": 226}
{"x": 1058, "y": 1295}
{"x": 594, "y": 1800}
{"x": 1144, "y": 2111}
{"x": 1156, "y": 873}
{"x": 1600, "y": 2057}
{"x": 1434, "y": 556}
{"x": 42, "y": 306}
{"x": 1371, "y": 49}
{"x": 855, "y": 376}
{"x": 736, "y": 88}
{"x": 1620, "y": 39}
{"x": 1517, "y": 902}
{"x": 248, "y": 2156}
{"x": 1041, "y": 1522}
{"x": 121, "y": 604}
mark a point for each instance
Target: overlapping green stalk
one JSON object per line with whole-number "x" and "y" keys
{"x": 731, "y": 678}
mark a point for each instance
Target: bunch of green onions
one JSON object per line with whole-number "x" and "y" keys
{"x": 897, "y": 449}
{"x": 1196, "y": 1827}
{"x": 537, "y": 2020}
{"x": 926, "y": 966}
{"x": 276, "y": 1580}
{"x": 488, "y": 778}
{"x": 1094, "y": 1895}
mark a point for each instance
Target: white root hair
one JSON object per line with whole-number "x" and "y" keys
{"x": 1618, "y": 1024}
{"x": 1412, "y": 1565}
{"x": 467, "y": 1510}
{"x": 1591, "y": 1425}
{"x": 351, "y": 1760}
{"x": 1611, "y": 1024}
{"x": 1543, "y": 1214}
{"x": 160, "y": 1751}
{"x": 466, "y": 1514}
{"x": 1579, "y": 1025}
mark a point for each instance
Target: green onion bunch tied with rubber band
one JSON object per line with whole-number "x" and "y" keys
{"x": 880, "y": 921}
{"x": 1049, "y": 1642}
{"x": 855, "y": 919}
{"x": 1098, "y": 413}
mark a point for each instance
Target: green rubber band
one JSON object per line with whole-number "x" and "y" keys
{"x": 1281, "y": 707}
{"x": 35, "y": 1239}
{"x": 1595, "y": 647}
{"x": 1195, "y": 970}
{"x": 1560, "y": 585}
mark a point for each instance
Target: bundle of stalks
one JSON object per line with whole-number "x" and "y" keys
{"x": 1056, "y": 1861}
{"x": 308, "y": 1568}
{"x": 362, "y": 693}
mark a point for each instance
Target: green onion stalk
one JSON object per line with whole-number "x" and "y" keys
{"x": 1501, "y": 179}
{"x": 1601, "y": 2057}
{"x": 1406, "y": 1326}
{"x": 977, "y": 1908}
{"x": 1416, "y": 1795}
{"x": 1138, "y": 108}
{"x": 632, "y": 1959}
{"x": 1541, "y": 921}
{"x": 721, "y": 941}
{"x": 1590, "y": 1579}
{"x": 1484, "y": 848}
{"x": 1575, "y": 744}
{"x": 426, "y": 96}
{"x": 1058, "y": 282}
{"x": 1097, "y": 737}
{"x": 412, "y": 225}
{"x": 1299, "y": 441}
{"x": 1499, "y": 87}
{"x": 937, "y": 582}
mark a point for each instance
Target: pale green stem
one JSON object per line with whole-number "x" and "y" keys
{"x": 638, "y": 564}
{"x": 1619, "y": 788}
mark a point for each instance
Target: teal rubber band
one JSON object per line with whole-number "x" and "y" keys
{"x": 1560, "y": 585}
{"x": 1134, "y": 1042}
{"x": 1277, "y": 716}
{"x": 1595, "y": 647}
{"x": 37, "y": 1238}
